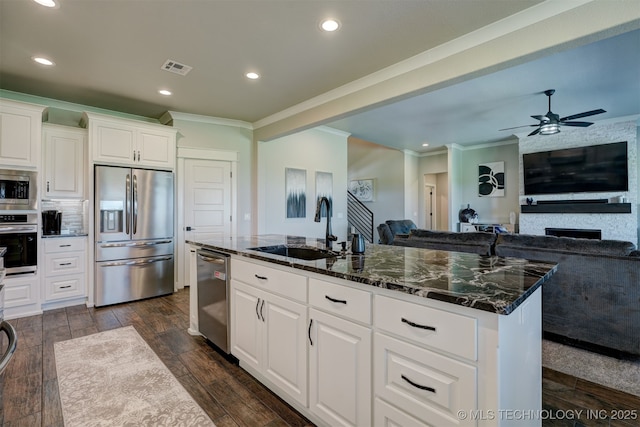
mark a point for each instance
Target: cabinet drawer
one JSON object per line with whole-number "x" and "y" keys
{"x": 431, "y": 387}
{"x": 64, "y": 244}
{"x": 19, "y": 292}
{"x": 64, "y": 263}
{"x": 341, "y": 300}
{"x": 386, "y": 415}
{"x": 64, "y": 286}
{"x": 280, "y": 282}
{"x": 453, "y": 333}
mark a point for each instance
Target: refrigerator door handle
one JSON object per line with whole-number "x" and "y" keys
{"x": 135, "y": 204}
{"x": 138, "y": 262}
{"x": 134, "y": 244}
{"x": 127, "y": 208}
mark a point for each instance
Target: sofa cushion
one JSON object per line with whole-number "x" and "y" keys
{"x": 386, "y": 236}
{"x": 401, "y": 226}
{"x": 477, "y": 243}
{"x": 570, "y": 244}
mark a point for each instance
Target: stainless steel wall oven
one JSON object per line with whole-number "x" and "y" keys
{"x": 18, "y": 233}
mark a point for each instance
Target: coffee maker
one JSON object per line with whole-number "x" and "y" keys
{"x": 51, "y": 221}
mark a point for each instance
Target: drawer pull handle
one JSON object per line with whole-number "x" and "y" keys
{"x": 65, "y": 263}
{"x": 64, "y": 246}
{"x": 337, "y": 301}
{"x": 309, "y": 331}
{"x": 421, "y": 387}
{"x": 415, "y": 325}
{"x": 261, "y": 277}
{"x": 65, "y": 287}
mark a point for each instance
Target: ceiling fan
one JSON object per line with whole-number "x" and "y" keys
{"x": 550, "y": 123}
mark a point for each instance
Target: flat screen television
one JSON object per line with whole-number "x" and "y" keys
{"x": 596, "y": 168}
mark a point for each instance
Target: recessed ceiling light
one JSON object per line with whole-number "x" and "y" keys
{"x": 43, "y": 61}
{"x": 425, "y": 145}
{"x": 330, "y": 25}
{"x": 164, "y": 92}
{"x": 253, "y": 76}
{"x": 46, "y": 3}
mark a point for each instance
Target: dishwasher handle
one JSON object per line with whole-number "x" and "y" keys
{"x": 211, "y": 260}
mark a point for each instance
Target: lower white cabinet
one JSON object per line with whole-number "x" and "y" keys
{"x": 268, "y": 334}
{"x": 22, "y": 296}
{"x": 64, "y": 268}
{"x": 381, "y": 358}
{"x": 339, "y": 370}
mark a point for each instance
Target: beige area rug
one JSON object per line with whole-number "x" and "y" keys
{"x": 623, "y": 375}
{"x": 113, "y": 378}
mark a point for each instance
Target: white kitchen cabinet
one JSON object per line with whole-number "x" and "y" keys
{"x": 339, "y": 370}
{"x": 130, "y": 143}
{"x": 268, "y": 333}
{"x": 22, "y": 296}
{"x": 20, "y": 134}
{"x": 64, "y": 268}
{"x": 64, "y": 162}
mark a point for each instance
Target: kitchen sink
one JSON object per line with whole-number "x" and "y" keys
{"x": 307, "y": 253}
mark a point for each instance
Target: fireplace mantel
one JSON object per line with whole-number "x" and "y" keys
{"x": 576, "y": 208}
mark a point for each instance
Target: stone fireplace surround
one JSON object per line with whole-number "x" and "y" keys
{"x": 614, "y": 226}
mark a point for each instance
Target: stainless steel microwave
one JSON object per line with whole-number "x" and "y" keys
{"x": 18, "y": 190}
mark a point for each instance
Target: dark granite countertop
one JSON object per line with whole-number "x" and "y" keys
{"x": 488, "y": 283}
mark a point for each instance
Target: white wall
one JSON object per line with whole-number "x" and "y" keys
{"x": 434, "y": 166}
{"x": 385, "y": 166}
{"x": 489, "y": 209}
{"x": 613, "y": 226}
{"x": 210, "y": 133}
{"x": 316, "y": 150}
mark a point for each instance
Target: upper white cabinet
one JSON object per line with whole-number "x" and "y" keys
{"x": 20, "y": 134}
{"x": 64, "y": 162}
{"x": 131, "y": 143}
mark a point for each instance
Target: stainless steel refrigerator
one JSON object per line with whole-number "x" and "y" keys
{"x": 133, "y": 234}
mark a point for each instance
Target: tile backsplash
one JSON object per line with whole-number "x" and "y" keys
{"x": 74, "y": 214}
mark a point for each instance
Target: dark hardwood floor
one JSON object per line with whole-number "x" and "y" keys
{"x": 231, "y": 397}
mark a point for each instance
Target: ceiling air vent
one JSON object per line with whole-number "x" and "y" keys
{"x": 176, "y": 67}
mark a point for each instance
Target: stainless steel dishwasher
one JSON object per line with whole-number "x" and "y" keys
{"x": 213, "y": 297}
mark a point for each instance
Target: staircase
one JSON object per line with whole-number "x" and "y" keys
{"x": 359, "y": 217}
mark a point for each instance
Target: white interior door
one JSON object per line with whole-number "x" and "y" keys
{"x": 207, "y": 210}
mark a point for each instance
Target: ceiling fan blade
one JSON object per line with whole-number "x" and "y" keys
{"x": 541, "y": 118}
{"x": 535, "y": 132}
{"x": 585, "y": 114}
{"x": 577, "y": 124}
{"x": 517, "y": 127}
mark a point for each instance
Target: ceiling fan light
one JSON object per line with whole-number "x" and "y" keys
{"x": 549, "y": 129}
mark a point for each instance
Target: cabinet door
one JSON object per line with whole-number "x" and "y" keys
{"x": 20, "y": 134}
{"x": 246, "y": 324}
{"x": 64, "y": 162}
{"x": 113, "y": 143}
{"x": 285, "y": 351}
{"x": 340, "y": 370}
{"x": 155, "y": 149}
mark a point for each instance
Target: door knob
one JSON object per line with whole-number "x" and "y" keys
{"x": 189, "y": 229}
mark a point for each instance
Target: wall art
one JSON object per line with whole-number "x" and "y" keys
{"x": 324, "y": 188}
{"x": 362, "y": 189}
{"x": 491, "y": 179}
{"x": 296, "y": 192}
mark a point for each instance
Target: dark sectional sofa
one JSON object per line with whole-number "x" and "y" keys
{"x": 592, "y": 301}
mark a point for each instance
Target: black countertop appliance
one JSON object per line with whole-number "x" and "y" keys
{"x": 51, "y": 221}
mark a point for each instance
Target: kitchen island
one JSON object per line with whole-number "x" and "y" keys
{"x": 396, "y": 335}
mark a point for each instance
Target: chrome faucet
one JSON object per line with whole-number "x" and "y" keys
{"x": 329, "y": 237}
